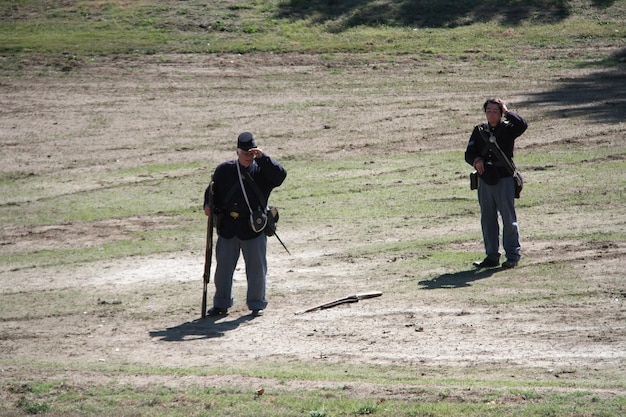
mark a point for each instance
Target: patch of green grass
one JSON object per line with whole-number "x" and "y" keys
{"x": 393, "y": 187}
{"x": 18, "y": 188}
{"x": 351, "y": 192}
{"x": 122, "y": 199}
{"x": 145, "y": 242}
{"x": 158, "y": 401}
{"x": 427, "y": 392}
{"x": 87, "y": 29}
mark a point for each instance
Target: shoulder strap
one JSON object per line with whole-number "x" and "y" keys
{"x": 492, "y": 143}
{"x": 255, "y": 186}
{"x": 243, "y": 189}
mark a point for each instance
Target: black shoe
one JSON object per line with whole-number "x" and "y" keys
{"x": 509, "y": 263}
{"x": 486, "y": 263}
{"x": 257, "y": 313}
{"x": 217, "y": 311}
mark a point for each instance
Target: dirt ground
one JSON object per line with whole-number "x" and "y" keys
{"x": 114, "y": 114}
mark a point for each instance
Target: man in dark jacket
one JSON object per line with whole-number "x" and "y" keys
{"x": 496, "y": 185}
{"x": 233, "y": 207}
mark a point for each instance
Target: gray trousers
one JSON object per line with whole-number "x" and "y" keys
{"x": 494, "y": 199}
{"x": 254, "y": 254}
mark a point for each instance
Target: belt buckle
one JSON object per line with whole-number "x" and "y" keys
{"x": 234, "y": 214}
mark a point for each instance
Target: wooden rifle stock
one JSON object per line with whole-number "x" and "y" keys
{"x": 208, "y": 253}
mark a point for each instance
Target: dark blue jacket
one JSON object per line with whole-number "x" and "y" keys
{"x": 230, "y": 205}
{"x": 506, "y": 132}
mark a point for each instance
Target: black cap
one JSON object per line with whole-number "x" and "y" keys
{"x": 246, "y": 141}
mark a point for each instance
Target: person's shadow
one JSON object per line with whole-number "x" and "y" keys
{"x": 206, "y": 328}
{"x": 459, "y": 279}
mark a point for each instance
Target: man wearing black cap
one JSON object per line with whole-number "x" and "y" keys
{"x": 232, "y": 207}
{"x": 496, "y": 186}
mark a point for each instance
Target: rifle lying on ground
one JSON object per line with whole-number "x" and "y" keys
{"x": 349, "y": 299}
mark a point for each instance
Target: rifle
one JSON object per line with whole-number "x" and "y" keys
{"x": 348, "y": 299}
{"x": 208, "y": 253}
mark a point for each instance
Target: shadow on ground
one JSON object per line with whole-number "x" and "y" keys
{"x": 428, "y": 13}
{"x": 600, "y": 96}
{"x": 207, "y": 328}
{"x": 459, "y": 279}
